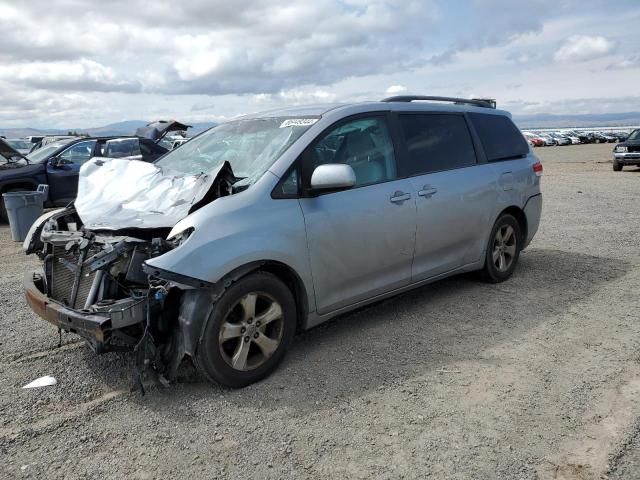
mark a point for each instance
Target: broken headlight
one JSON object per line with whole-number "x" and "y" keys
{"x": 179, "y": 238}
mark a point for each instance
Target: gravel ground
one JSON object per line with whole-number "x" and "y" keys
{"x": 538, "y": 377}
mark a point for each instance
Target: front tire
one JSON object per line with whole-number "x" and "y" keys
{"x": 248, "y": 331}
{"x": 617, "y": 166}
{"x": 503, "y": 249}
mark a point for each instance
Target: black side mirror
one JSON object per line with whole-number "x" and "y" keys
{"x": 57, "y": 162}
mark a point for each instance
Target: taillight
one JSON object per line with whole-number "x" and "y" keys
{"x": 537, "y": 169}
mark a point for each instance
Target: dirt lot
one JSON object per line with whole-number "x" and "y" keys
{"x": 538, "y": 377}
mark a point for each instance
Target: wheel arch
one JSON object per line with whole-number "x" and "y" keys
{"x": 196, "y": 304}
{"x": 282, "y": 271}
{"x": 292, "y": 280}
{"x": 520, "y": 216}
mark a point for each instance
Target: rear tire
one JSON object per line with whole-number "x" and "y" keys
{"x": 503, "y": 249}
{"x": 248, "y": 332}
{"x": 617, "y": 166}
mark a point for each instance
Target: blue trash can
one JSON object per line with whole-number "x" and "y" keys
{"x": 24, "y": 208}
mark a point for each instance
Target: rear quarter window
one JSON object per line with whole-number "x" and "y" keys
{"x": 500, "y": 138}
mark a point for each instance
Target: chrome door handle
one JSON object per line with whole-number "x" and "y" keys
{"x": 427, "y": 191}
{"x": 399, "y": 197}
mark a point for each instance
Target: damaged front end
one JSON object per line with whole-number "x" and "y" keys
{"x": 93, "y": 280}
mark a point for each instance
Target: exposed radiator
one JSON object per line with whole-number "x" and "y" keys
{"x": 63, "y": 271}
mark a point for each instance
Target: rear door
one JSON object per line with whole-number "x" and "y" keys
{"x": 62, "y": 172}
{"x": 454, "y": 193}
{"x": 360, "y": 240}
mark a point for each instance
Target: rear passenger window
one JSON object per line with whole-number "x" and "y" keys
{"x": 436, "y": 142}
{"x": 500, "y": 138}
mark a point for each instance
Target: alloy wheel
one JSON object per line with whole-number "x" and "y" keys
{"x": 504, "y": 248}
{"x": 251, "y": 331}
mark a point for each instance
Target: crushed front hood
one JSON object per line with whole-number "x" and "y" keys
{"x": 115, "y": 194}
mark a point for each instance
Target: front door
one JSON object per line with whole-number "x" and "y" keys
{"x": 360, "y": 240}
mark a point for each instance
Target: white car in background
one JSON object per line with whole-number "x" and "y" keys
{"x": 549, "y": 141}
{"x": 571, "y": 136}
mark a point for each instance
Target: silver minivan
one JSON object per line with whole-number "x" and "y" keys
{"x": 279, "y": 221}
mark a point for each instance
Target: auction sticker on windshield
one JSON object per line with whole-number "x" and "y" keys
{"x": 298, "y": 122}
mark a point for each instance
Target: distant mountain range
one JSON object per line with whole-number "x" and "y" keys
{"x": 542, "y": 120}
{"x": 127, "y": 127}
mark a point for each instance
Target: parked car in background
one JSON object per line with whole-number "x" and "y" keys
{"x": 548, "y": 140}
{"x": 533, "y": 139}
{"x": 619, "y": 136}
{"x": 10, "y": 154}
{"x": 57, "y": 164}
{"x": 610, "y": 138}
{"x": 160, "y": 131}
{"x": 596, "y": 137}
{"x": 179, "y": 141}
{"x": 47, "y": 139}
{"x": 20, "y": 145}
{"x": 627, "y": 152}
{"x": 582, "y": 136}
{"x": 279, "y": 221}
{"x": 133, "y": 148}
{"x": 35, "y": 138}
{"x": 571, "y": 135}
{"x": 560, "y": 139}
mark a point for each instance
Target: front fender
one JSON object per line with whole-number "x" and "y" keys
{"x": 238, "y": 230}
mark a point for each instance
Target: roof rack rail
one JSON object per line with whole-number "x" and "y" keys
{"x": 478, "y": 102}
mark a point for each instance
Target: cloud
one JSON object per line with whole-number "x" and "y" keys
{"x": 26, "y": 106}
{"x": 301, "y": 96}
{"x": 581, "y": 48}
{"x": 577, "y": 106}
{"x": 523, "y": 57}
{"x": 395, "y": 89}
{"x": 67, "y": 75}
{"x": 631, "y": 61}
{"x": 215, "y": 57}
{"x": 310, "y": 43}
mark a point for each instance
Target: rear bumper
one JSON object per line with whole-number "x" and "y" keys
{"x": 95, "y": 329}
{"x": 533, "y": 211}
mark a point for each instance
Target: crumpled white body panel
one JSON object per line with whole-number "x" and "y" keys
{"x": 115, "y": 193}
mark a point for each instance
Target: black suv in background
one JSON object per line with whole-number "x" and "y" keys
{"x": 57, "y": 164}
{"x": 627, "y": 152}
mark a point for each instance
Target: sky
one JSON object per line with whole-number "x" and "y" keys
{"x": 86, "y": 63}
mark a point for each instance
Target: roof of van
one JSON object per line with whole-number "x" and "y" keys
{"x": 321, "y": 109}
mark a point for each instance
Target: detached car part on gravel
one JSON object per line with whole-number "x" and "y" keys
{"x": 224, "y": 247}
